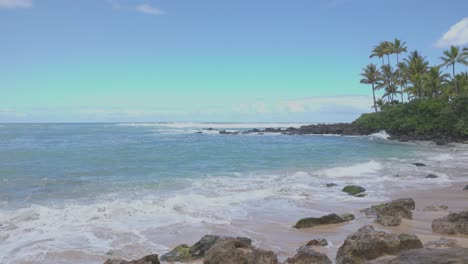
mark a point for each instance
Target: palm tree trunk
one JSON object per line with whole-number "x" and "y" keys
{"x": 388, "y": 59}
{"x": 454, "y": 79}
{"x": 399, "y": 78}
{"x": 373, "y": 94}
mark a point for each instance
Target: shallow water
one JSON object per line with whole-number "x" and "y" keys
{"x": 82, "y": 192}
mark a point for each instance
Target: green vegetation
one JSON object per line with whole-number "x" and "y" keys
{"x": 437, "y": 102}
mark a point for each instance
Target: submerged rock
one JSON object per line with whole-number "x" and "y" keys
{"x": 353, "y": 189}
{"x": 324, "y": 220}
{"x": 179, "y": 253}
{"x": 431, "y": 256}
{"x": 150, "y": 259}
{"x": 431, "y": 176}
{"x": 433, "y": 208}
{"x": 322, "y": 242}
{"x": 442, "y": 243}
{"x": 419, "y": 164}
{"x": 391, "y": 213}
{"x": 454, "y": 223}
{"x": 228, "y": 250}
{"x": 368, "y": 244}
{"x": 331, "y": 184}
{"x": 306, "y": 255}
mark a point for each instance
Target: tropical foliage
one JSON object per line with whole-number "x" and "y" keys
{"x": 436, "y": 95}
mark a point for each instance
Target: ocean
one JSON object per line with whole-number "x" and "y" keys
{"x": 79, "y": 193}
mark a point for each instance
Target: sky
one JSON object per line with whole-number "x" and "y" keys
{"x": 206, "y": 60}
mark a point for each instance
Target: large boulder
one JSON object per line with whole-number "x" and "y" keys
{"x": 431, "y": 256}
{"x": 391, "y": 213}
{"x": 199, "y": 249}
{"x": 353, "y": 189}
{"x": 150, "y": 259}
{"x": 368, "y": 244}
{"x": 324, "y": 220}
{"x": 454, "y": 223}
{"x": 306, "y": 255}
{"x": 227, "y": 250}
{"x": 180, "y": 253}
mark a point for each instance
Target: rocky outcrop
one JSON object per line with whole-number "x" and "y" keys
{"x": 419, "y": 164}
{"x": 228, "y": 250}
{"x": 391, "y": 213}
{"x": 306, "y": 255}
{"x": 431, "y": 176}
{"x": 324, "y": 220}
{"x": 224, "y": 132}
{"x": 431, "y": 256}
{"x": 442, "y": 243}
{"x": 466, "y": 188}
{"x": 151, "y": 259}
{"x": 179, "y": 253}
{"x": 319, "y": 129}
{"x": 454, "y": 223}
{"x": 320, "y": 242}
{"x": 353, "y": 189}
{"x": 368, "y": 244}
{"x": 331, "y": 184}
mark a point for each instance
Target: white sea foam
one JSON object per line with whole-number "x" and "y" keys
{"x": 382, "y": 135}
{"x": 366, "y": 169}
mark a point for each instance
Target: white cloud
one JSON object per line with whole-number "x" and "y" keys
{"x": 353, "y": 103}
{"x": 456, "y": 35}
{"x": 148, "y": 9}
{"x": 10, "y": 4}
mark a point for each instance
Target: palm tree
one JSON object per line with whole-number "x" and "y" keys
{"x": 465, "y": 56}
{"x": 388, "y": 81}
{"x": 452, "y": 57}
{"x": 434, "y": 81}
{"x": 378, "y": 51}
{"x": 416, "y": 65}
{"x": 398, "y": 48}
{"x": 371, "y": 75}
{"x": 380, "y": 103}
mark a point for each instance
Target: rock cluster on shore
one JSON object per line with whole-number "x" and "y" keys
{"x": 366, "y": 245}
{"x": 351, "y": 129}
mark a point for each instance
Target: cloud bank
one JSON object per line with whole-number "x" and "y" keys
{"x": 456, "y": 35}
{"x": 11, "y": 4}
{"x": 148, "y": 9}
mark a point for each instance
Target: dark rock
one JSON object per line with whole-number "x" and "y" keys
{"x": 353, "y": 189}
{"x": 431, "y": 176}
{"x": 431, "y": 256}
{"x": 454, "y": 223}
{"x": 442, "y": 243}
{"x": 324, "y": 220}
{"x": 306, "y": 255}
{"x": 320, "y": 242}
{"x": 466, "y": 188}
{"x": 419, "y": 164}
{"x": 151, "y": 259}
{"x": 198, "y": 132}
{"x": 206, "y": 242}
{"x": 361, "y": 195}
{"x": 228, "y": 250}
{"x": 405, "y": 205}
{"x": 331, "y": 184}
{"x": 368, "y": 244}
{"x": 224, "y": 132}
{"x": 179, "y": 253}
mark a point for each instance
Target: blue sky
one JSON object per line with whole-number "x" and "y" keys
{"x": 205, "y": 60}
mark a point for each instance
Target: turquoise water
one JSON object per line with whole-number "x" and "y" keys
{"x": 42, "y": 163}
{"x": 63, "y": 182}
